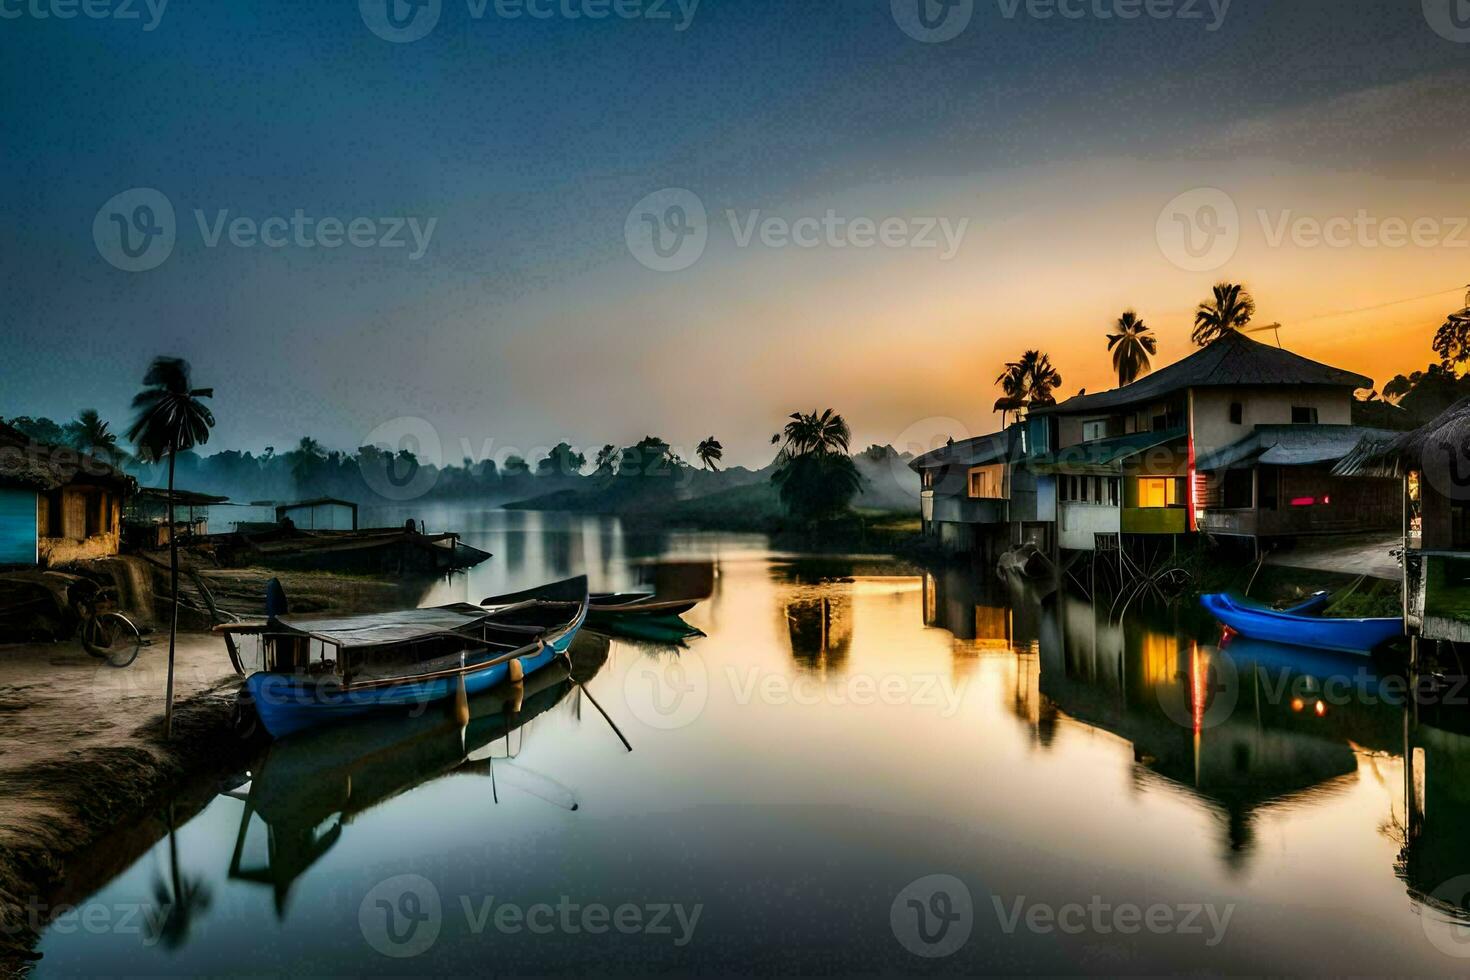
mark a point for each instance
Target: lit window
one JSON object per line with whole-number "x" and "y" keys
{"x": 1160, "y": 492}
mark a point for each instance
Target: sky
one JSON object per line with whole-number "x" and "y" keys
{"x": 854, "y": 207}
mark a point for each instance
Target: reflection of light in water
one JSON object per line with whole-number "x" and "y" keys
{"x": 993, "y": 627}
{"x": 1159, "y": 652}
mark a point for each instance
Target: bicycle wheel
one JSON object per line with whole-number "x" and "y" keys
{"x": 113, "y": 637}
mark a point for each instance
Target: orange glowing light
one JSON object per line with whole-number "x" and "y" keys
{"x": 1321, "y": 709}
{"x": 1296, "y": 704}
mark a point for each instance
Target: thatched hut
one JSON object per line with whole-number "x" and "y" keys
{"x": 56, "y": 504}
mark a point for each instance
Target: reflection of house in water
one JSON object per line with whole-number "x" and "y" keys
{"x": 1215, "y": 724}
{"x": 1435, "y": 849}
{"x": 972, "y": 606}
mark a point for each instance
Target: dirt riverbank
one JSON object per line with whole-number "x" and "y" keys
{"x": 82, "y": 753}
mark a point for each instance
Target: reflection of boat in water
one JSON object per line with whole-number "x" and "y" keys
{"x": 311, "y": 785}
{"x": 405, "y": 660}
{"x": 1302, "y": 627}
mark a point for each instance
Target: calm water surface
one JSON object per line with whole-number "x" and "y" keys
{"x": 847, "y": 730}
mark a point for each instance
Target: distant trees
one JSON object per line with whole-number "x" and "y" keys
{"x": 1132, "y": 346}
{"x": 561, "y": 461}
{"x": 815, "y": 477}
{"x": 1231, "y": 309}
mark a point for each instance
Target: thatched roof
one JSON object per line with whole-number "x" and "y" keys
{"x": 1232, "y": 361}
{"x": 1292, "y": 445}
{"x": 39, "y": 466}
{"x": 1446, "y": 437}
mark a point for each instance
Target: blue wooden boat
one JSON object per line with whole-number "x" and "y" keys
{"x": 1292, "y": 627}
{"x": 324, "y": 670}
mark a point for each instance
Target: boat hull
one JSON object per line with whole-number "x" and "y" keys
{"x": 287, "y": 704}
{"x": 1342, "y": 635}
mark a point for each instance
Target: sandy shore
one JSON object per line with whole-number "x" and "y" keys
{"x": 82, "y": 753}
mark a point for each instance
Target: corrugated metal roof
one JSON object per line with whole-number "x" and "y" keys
{"x": 1235, "y": 359}
{"x": 1104, "y": 454}
{"x": 1291, "y": 445}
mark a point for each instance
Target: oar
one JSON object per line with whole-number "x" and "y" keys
{"x": 612, "y": 724}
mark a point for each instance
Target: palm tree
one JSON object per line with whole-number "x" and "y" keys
{"x": 1027, "y": 382}
{"x": 90, "y": 435}
{"x": 814, "y": 476}
{"x": 606, "y": 457}
{"x": 1229, "y": 311}
{"x": 171, "y": 419}
{"x": 710, "y": 452}
{"x": 1007, "y": 404}
{"x": 824, "y": 433}
{"x": 1132, "y": 346}
{"x": 306, "y": 460}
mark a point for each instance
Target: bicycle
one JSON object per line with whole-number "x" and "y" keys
{"x": 106, "y": 633}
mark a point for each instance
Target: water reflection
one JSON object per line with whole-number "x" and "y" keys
{"x": 308, "y": 788}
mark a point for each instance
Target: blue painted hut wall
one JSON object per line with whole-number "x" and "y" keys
{"x": 17, "y": 527}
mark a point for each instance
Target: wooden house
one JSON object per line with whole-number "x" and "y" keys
{"x": 1127, "y": 462}
{"x": 1431, "y": 469}
{"x": 965, "y": 491}
{"x": 56, "y": 505}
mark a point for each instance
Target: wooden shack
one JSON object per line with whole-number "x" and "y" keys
{"x": 57, "y": 505}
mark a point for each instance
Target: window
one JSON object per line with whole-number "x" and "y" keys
{"x": 1154, "y": 492}
{"x": 1239, "y": 490}
{"x": 1303, "y": 416}
{"x": 987, "y": 482}
{"x": 1094, "y": 430}
{"x": 1237, "y": 413}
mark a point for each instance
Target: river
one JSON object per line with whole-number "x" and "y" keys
{"x": 862, "y": 767}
